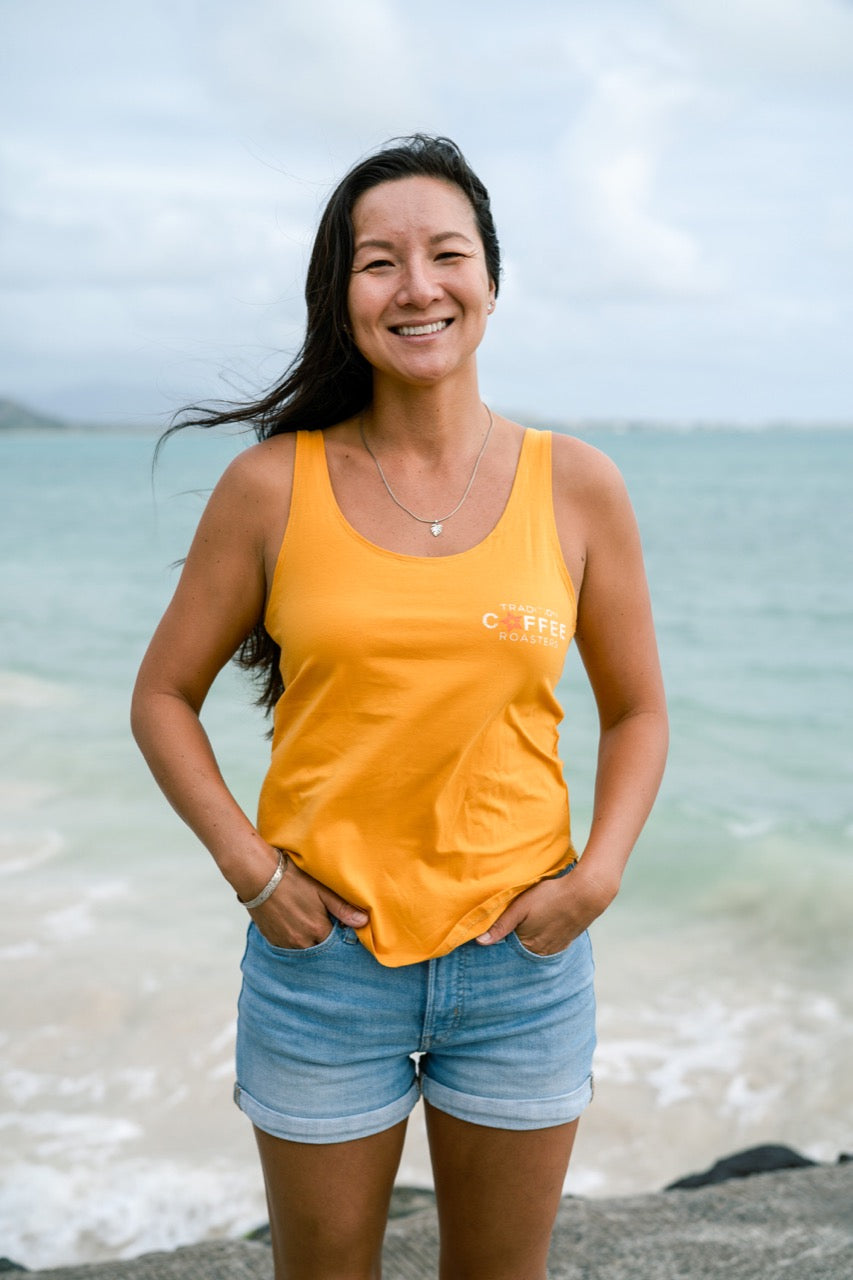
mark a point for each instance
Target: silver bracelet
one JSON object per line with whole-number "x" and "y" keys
{"x": 270, "y": 886}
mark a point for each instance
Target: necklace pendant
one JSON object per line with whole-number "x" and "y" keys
{"x": 435, "y": 528}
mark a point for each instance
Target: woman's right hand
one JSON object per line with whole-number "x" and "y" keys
{"x": 297, "y": 913}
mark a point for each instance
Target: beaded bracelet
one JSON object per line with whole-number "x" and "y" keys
{"x": 270, "y": 886}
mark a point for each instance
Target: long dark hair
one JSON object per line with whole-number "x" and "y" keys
{"x": 329, "y": 380}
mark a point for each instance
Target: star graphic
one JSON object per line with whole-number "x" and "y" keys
{"x": 512, "y": 622}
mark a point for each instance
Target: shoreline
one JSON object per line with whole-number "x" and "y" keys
{"x": 725, "y": 992}
{"x": 755, "y": 1215}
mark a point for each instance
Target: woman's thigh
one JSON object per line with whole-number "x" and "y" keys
{"x": 497, "y": 1193}
{"x": 504, "y": 1084}
{"x": 328, "y": 1203}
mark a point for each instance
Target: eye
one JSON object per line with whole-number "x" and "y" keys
{"x": 448, "y": 254}
{"x": 375, "y": 264}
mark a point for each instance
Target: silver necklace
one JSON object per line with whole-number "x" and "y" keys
{"x": 436, "y": 526}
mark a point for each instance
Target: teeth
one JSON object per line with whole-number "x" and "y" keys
{"x": 415, "y": 330}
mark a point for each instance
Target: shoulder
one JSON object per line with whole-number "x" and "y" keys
{"x": 260, "y": 466}
{"x": 250, "y": 502}
{"x": 594, "y": 516}
{"x": 583, "y": 474}
{"x": 261, "y": 473}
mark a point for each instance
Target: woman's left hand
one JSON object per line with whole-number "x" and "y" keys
{"x": 550, "y": 915}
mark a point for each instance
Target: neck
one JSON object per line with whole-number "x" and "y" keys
{"x": 430, "y": 421}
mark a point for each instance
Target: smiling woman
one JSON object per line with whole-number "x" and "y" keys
{"x": 419, "y": 271}
{"x": 418, "y": 911}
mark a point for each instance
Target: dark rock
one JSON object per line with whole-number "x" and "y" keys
{"x": 798, "y": 1223}
{"x": 6, "y": 1264}
{"x": 260, "y": 1235}
{"x": 406, "y": 1200}
{"x": 766, "y": 1159}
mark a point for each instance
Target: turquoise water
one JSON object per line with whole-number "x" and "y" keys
{"x": 724, "y": 972}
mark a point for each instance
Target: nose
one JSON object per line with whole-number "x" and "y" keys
{"x": 419, "y": 285}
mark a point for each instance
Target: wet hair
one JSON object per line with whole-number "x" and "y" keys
{"x": 329, "y": 379}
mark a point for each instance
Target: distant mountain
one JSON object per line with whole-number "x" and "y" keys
{"x": 18, "y": 416}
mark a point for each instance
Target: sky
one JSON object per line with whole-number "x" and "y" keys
{"x": 672, "y": 183}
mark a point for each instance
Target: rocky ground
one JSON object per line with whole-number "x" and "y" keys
{"x": 794, "y": 1223}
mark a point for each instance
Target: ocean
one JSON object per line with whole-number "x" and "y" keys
{"x": 724, "y": 976}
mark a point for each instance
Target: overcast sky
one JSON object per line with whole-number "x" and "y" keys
{"x": 672, "y": 183}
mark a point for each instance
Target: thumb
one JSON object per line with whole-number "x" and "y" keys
{"x": 343, "y": 910}
{"x": 504, "y": 924}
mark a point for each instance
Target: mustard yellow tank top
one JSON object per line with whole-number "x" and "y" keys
{"x": 415, "y": 766}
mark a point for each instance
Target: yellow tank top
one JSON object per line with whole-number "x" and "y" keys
{"x": 415, "y": 766}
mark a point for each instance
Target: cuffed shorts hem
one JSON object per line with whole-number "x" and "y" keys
{"x": 509, "y": 1113}
{"x": 317, "y": 1130}
{"x": 332, "y": 1045}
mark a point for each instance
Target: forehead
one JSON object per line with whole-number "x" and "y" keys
{"x": 407, "y": 205}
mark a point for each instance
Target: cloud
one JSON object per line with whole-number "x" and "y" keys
{"x": 119, "y": 223}
{"x": 679, "y": 167}
{"x": 330, "y": 72}
{"x": 611, "y": 159}
{"x": 610, "y": 228}
{"x": 784, "y": 45}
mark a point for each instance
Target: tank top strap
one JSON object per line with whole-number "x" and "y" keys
{"x": 531, "y": 491}
{"x": 529, "y": 519}
{"x": 310, "y": 500}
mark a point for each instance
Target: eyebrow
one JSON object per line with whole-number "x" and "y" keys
{"x": 436, "y": 239}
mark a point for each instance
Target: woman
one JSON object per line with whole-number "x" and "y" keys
{"x": 405, "y": 569}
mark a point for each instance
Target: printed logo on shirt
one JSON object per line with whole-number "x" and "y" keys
{"x": 525, "y": 624}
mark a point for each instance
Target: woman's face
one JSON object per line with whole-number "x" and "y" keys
{"x": 419, "y": 290}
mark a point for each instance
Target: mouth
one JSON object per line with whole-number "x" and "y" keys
{"x": 419, "y": 330}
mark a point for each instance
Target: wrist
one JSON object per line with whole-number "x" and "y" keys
{"x": 268, "y": 889}
{"x": 598, "y": 882}
{"x": 246, "y": 862}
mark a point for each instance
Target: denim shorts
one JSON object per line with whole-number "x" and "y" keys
{"x": 332, "y": 1045}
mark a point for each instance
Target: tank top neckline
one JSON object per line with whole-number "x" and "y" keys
{"x": 521, "y": 466}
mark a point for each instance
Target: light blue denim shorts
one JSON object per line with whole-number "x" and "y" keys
{"x": 332, "y": 1045}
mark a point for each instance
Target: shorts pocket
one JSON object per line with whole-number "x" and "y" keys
{"x": 297, "y": 953}
{"x": 535, "y": 956}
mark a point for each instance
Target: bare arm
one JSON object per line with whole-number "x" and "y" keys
{"x": 220, "y": 596}
{"x": 616, "y": 641}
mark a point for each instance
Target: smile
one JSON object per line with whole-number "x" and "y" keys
{"x": 417, "y": 330}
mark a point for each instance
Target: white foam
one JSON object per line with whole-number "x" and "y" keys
{"x": 825, "y": 1009}
{"x": 140, "y": 1082}
{"x": 23, "y": 1086}
{"x": 751, "y": 828}
{"x": 52, "y": 1216}
{"x": 225, "y": 1039}
{"x": 21, "y": 794}
{"x": 221, "y": 1050}
{"x": 584, "y": 1181}
{"x": 23, "y": 850}
{"x": 56, "y": 1135}
{"x": 715, "y": 1047}
{"x": 75, "y": 920}
{"x": 741, "y": 1097}
{"x": 69, "y": 923}
{"x": 21, "y": 951}
{"x": 31, "y": 693}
